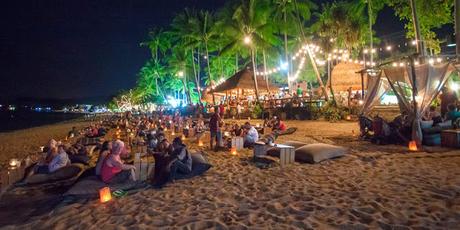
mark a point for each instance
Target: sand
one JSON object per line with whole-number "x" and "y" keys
{"x": 20, "y": 143}
{"x": 372, "y": 187}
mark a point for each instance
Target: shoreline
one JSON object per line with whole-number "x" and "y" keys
{"x": 22, "y": 142}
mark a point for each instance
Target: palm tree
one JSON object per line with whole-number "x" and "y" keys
{"x": 178, "y": 64}
{"x": 288, "y": 13}
{"x": 249, "y": 24}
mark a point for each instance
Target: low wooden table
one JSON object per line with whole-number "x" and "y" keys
{"x": 450, "y": 138}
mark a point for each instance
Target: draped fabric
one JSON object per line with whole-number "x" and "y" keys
{"x": 429, "y": 81}
{"x": 377, "y": 86}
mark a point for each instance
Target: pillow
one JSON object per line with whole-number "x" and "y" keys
{"x": 64, "y": 173}
{"x": 295, "y": 144}
{"x": 315, "y": 153}
{"x": 426, "y": 124}
{"x": 445, "y": 124}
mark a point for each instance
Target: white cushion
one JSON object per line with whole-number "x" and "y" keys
{"x": 314, "y": 153}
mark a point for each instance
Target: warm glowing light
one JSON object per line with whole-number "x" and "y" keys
{"x": 389, "y": 48}
{"x": 14, "y": 162}
{"x": 439, "y": 60}
{"x": 366, "y": 51}
{"x": 413, "y": 146}
{"x": 414, "y": 42}
{"x": 183, "y": 137}
{"x": 247, "y": 39}
{"x": 348, "y": 118}
{"x": 454, "y": 86}
{"x": 233, "y": 151}
{"x": 431, "y": 61}
{"x": 180, "y": 73}
{"x": 105, "y": 194}
{"x": 200, "y": 143}
{"x": 360, "y": 102}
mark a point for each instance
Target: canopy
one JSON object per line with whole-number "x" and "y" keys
{"x": 414, "y": 94}
{"x": 377, "y": 87}
{"x": 345, "y": 76}
{"x": 244, "y": 80}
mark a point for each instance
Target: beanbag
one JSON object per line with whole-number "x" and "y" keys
{"x": 314, "y": 153}
{"x": 199, "y": 166}
{"x": 295, "y": 144}
{"x": 69, "y": 172}
{"x": 89, "y": 187}
{"x": 288, "y": 131}
{"x": 79, "y": 158}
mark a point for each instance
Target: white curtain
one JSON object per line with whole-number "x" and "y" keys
{"x": 377, "y": 86}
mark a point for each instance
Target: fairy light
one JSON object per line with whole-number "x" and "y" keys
{"x": 431, "y": 61}
{"x": 439, "y": 60}
{"x": 389, "y": 48}
{"x": 395, "y": 64}
{"x": 366, "y": 51}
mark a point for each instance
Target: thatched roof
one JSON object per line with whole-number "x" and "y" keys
{"x": 344, "y": 76}
{"x": 244, "y": 80}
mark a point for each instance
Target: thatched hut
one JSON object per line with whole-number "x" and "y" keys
{"x": 242, "y": 84}
{"x": 345, "y": 76}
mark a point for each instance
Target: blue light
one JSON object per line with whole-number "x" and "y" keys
{"x": 284, "y": 65}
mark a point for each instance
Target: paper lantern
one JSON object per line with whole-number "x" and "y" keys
{"x": 183, "y": 137}
{"x": 105, "y": 195}
{"x": 413, "y": 146}
{"x": 348, "y": 117}
{"x": 166, "y": 129}
{"x": 233, "y": 151}
{"x": 15, "y": 163}
{"x": 200, "y": 143}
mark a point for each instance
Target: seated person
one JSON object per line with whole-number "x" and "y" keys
{"x": 453, "y": 113}
{"x": 279, "y": 125}
{"x": 237, "y": 130}
{"x": 101, "y": 131}
{"x": 432, "y": 115}
{"x": 251, "y": 135}
{"x": 49, "y": 148}
{"x": 73, "y": 133}
{"x": 152, "y": 142}
{"x": 113, "y": 169}
{"x": 92, "y": 131}
{"x": 181, "y": 159}
{"x": 59, "y": 160}
{"x": 103, "y": 153}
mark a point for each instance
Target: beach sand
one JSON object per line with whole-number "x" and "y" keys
{"x": 20, "y": 143}
{"x": 372, "y": 187}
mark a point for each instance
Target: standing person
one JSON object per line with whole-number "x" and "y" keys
{"x": 448, "y": 97}
{"x": 221, "y": 110}
{"x": 239, "y": 110}
{"x": 214, "y": 127}
{"x": 299, "y": 90}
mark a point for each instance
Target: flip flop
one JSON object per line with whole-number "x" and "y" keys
{"x": 119, "y": 193}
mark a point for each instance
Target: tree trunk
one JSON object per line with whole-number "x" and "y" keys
{"x": 457, "y": 29}
{"x": 254, "y": 70}
{"x": 369, "y": 11}
{"x": 286, "y": 56}
{"x": 209, "y": 72}
{"x": 196, "y": 77}
{"x": 265, "y": 70}
{"x": 318, "y": 76}
{"x": 418, "y": 36}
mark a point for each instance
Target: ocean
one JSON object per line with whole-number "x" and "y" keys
{"x": 23, "y": 119}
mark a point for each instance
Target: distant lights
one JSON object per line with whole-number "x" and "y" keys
{"x": 247, "y": 40}
{"x": 366, "y": 51}
{"x": 389, "y": 48}
{"x": 414, "y": 42}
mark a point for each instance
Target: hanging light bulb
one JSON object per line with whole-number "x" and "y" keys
{"x": 431, "y": 61}
{"x": 389, "y": 48}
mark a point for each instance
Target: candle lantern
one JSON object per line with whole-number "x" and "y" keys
{"x": 15, "y": 163}
{"x": 413, "y": 146}
{"x": 233, "y": 151}
{"x": 183, "y": 137}
{"x": 348, "y": 118}
{"x": 200, "y": 143}
{"x": 105, "y": 195}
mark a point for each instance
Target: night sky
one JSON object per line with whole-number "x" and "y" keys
{"x": 86, "y": 48}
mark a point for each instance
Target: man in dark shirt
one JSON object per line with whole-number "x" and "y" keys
{"x": 214, "y": 127}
